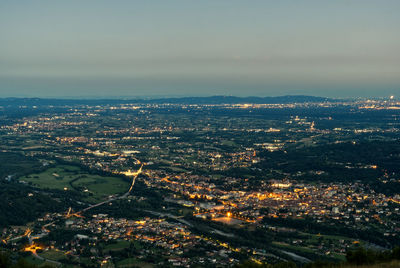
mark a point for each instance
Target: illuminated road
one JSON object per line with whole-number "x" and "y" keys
{"x": 26, "y": 234}
{"x": 134, "y": 174}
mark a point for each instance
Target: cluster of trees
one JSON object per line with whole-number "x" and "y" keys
{"x": 6, "y": 261}
{"x": 15, "y": 165}
{"x": 252, "y": 264}
{"x": 361, "y": 256}
{"x": 333, "y": 159}
{"x": 311, "y": 226}
{"x": 17, "y": 208}
{"x": 358, "y": 256}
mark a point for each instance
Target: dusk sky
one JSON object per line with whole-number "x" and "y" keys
{"x": 196, "y": 48}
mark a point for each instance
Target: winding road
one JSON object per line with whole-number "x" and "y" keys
{"x": 135, "y": 175}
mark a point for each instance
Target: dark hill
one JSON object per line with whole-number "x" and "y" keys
{"x": 13, "y": 102}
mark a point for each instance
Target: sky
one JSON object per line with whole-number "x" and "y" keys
{"x": 98, "y": 48}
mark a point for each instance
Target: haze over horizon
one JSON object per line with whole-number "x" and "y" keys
{"x": 199, "y": 48}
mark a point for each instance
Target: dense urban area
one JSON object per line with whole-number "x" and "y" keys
{"x": 198, "y": 182}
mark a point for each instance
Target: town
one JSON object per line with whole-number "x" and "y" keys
{"x": 167, "y": 184}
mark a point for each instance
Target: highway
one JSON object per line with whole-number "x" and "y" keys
{"x": 134, "y": 176}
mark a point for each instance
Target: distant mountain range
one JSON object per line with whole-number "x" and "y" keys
{"x": 238, "y": 100}
{"x": 183, "y": 100}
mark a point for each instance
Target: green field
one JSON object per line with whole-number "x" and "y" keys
{"x": 228, "y": 143}
{"x": 53, "y": 178}
{"x": 121, "y": 244}
{"x": 101, "y": 187}
{"x": 53, "y": 255}
{"x": 291, "y": 247}
{"x": 33, "y": 260}
{"x": 72, "y": 178}
{"x": 132, "y": 262}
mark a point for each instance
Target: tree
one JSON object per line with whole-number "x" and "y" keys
{"x": 4, "y": 260}
{"x": 360, "y": 256}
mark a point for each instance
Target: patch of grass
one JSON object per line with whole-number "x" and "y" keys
{"x": 291, "y": 247}
{"x": 53, "y": 255}
{"x": 132, "y": 262}
{"x": 33, "y": 260}
{"x": 74, "y": 179}
{"x": 341, "y": 257}
{"x": 137, "y": 244}
{"x": 121, "y": 244}
{"x": 186, "y": 211}
{"x": 53, "y": 178}
{"x": 101, "y": 187}
{"x": 393, "y": 264}
{"x": 228, "y": 143}
{"x": 177, "y": 169}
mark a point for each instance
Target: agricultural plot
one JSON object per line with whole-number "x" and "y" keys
{"x": 53, "y": 255}
{"x": 71, "y": 178}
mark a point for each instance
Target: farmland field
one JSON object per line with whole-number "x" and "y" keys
{"x": 72, "y": 178}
